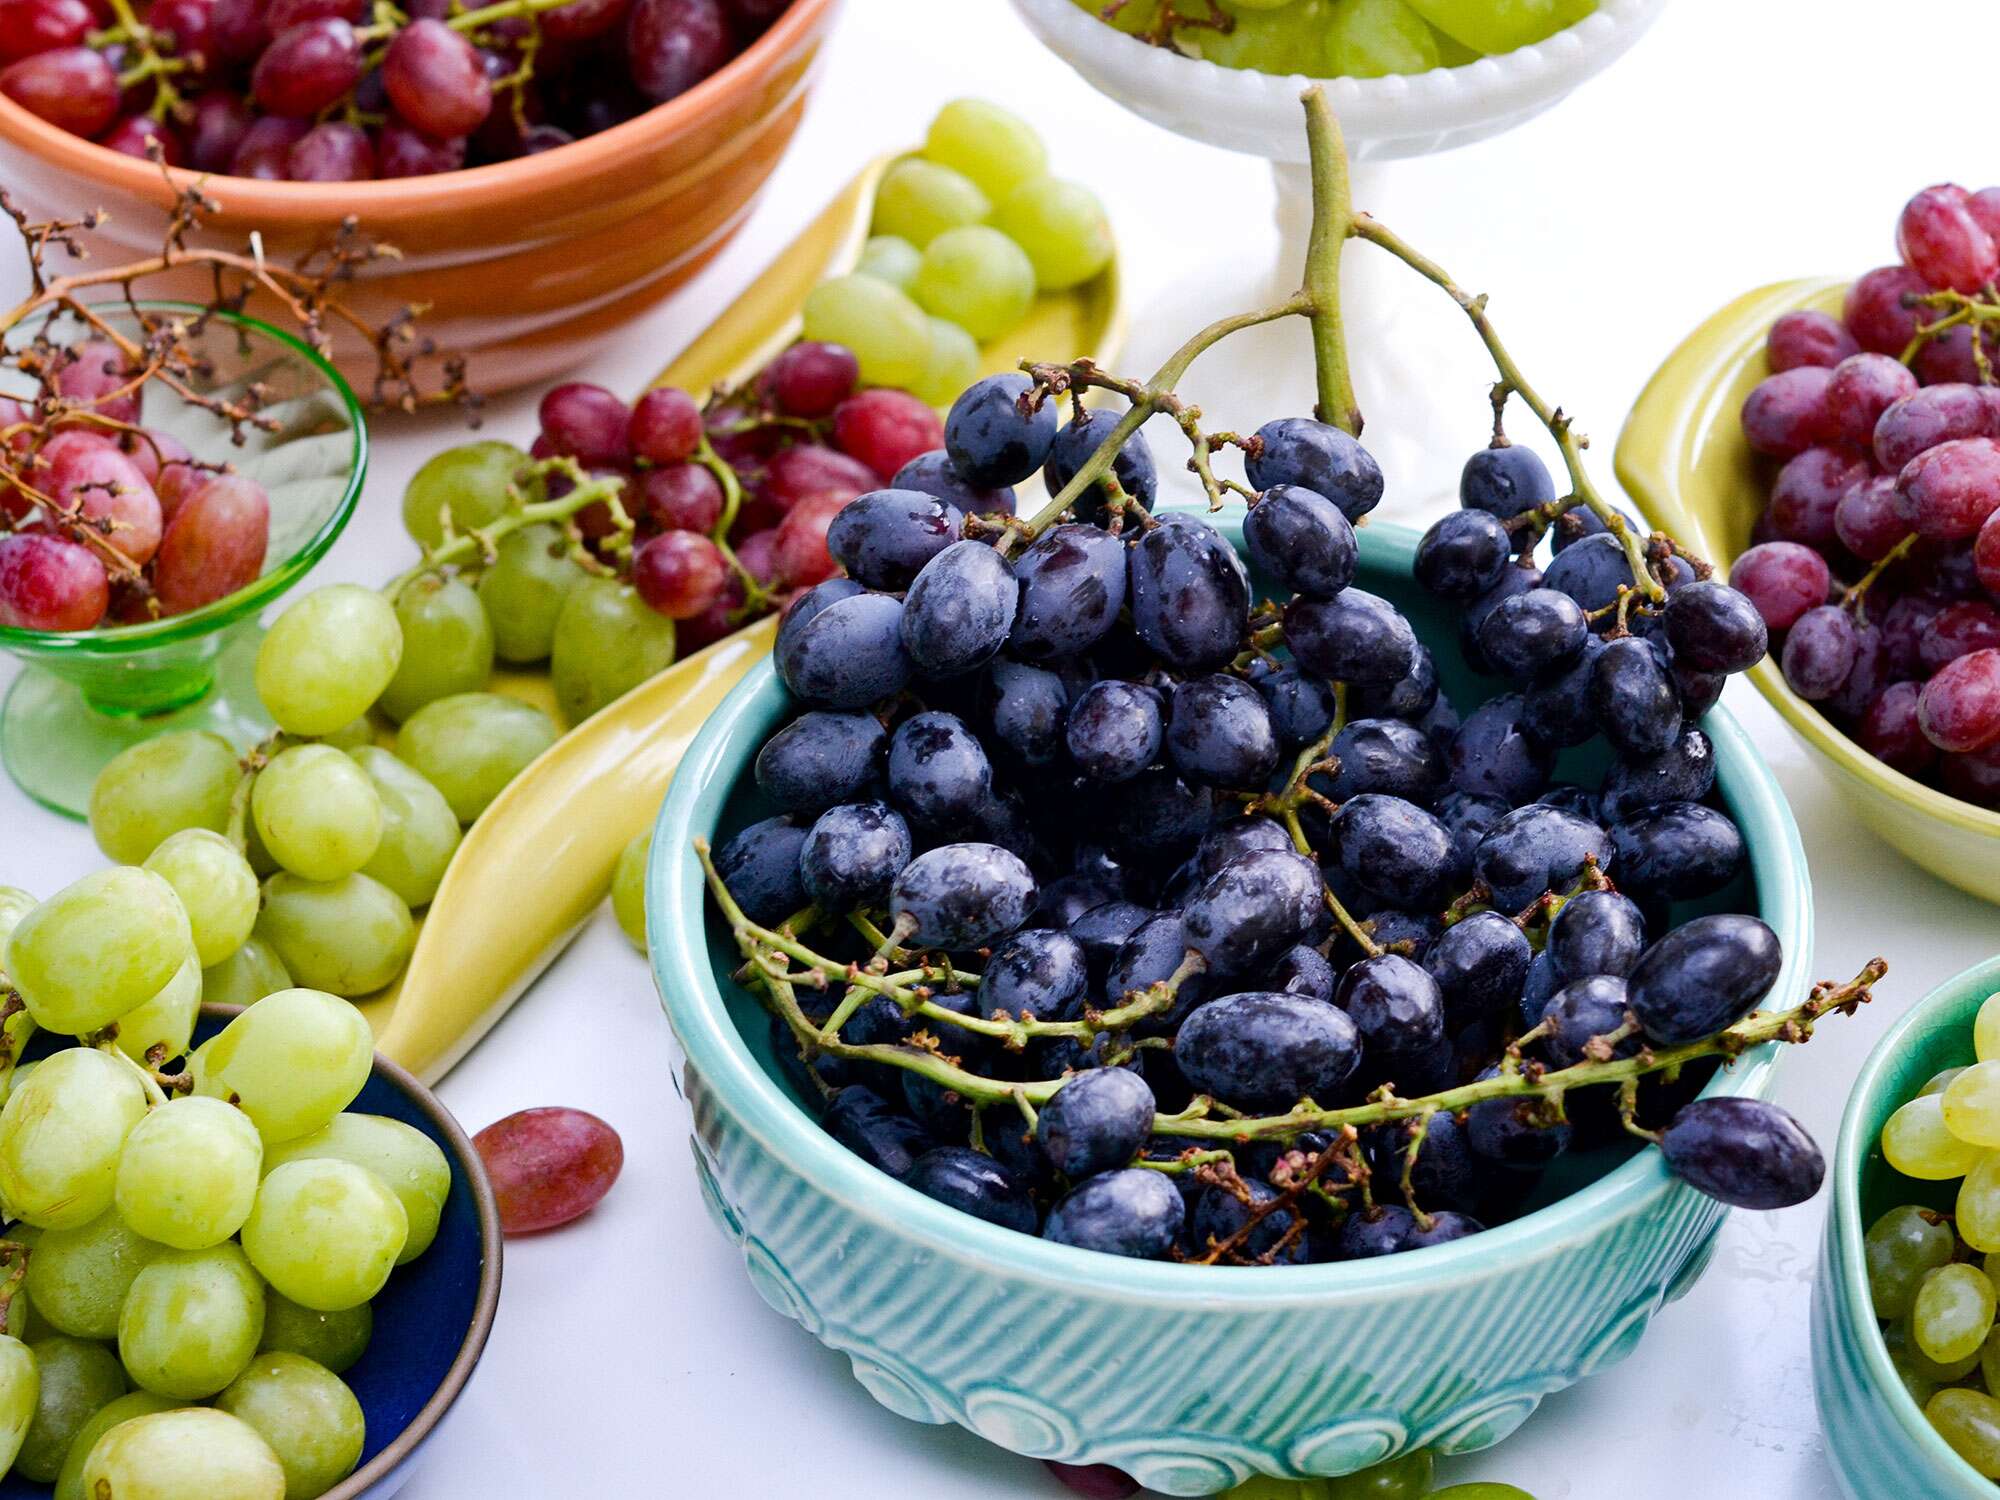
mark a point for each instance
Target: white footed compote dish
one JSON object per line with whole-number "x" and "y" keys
{"x": 1383, "y": 119}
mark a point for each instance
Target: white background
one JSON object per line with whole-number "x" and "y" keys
{"x": 1738, "y": 144}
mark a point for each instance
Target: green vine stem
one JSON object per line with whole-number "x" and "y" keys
{"x": 756, "y": 598}
{"x": 1333, "y": 213}
{"x": 481, "y": 541}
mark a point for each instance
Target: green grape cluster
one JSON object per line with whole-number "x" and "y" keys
{"x": 964, "y": 234}
{"x": 1932, "y": 1275}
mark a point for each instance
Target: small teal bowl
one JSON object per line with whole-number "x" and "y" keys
{"x": 431, "y": 1320}
{"x": 1189, "y": 1378}
{"x": 1882, "y": 1446}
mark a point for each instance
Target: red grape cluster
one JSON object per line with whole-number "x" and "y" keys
{"x": 330, "y": 91}
{"x": 801, "y": 441}
{"x": 1878, "y": 557}
{"x": 116, "y": 527}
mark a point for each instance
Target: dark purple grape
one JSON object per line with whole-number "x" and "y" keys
{"x": 1068, "y": 897}
{"x": 1820, "y": 651}
{"x": 820, "y": 759}
{"x": 1534, "y": 849}
{"x": 1388, "y": 756}
{"x": 1514, "y": 1132}
{"x": 1190, "y": 596}
{"x": 1468, "y": 817}
{"x": 1443, "y": 1173}
{"x": 1263, "y": 1052}
{"x": 1442, "y": 1229}
{"x": 1532, "y": 633}
{"x": 852, "y": 854}
{"x": 1221, "y": 733}
{"x": 1683, "y": 772}
{"x": 1462, "y": 555}
{"x": 1096, "y": 1122}
{"x": 1409, "y": 698}
{"x": 1027, "y": 709}
{"x": 959, "y": 610}
{"x": 1133, "y": 1212}
{"x": 1072, "y": 588}
{"x": 1591, "y": 572}
{"x": 1714, "y": 628}
{"x": 963, "y": 895}
{"x": 1504, "y": 482}
{"x": 1080, "y": 436}
{"x": 1301, "y": 970}
{"x": 760, "y": 867}
{"x": 1037, "y": 974}
{"x": 1301, "y": 706}
{"x": 1702, "y": 976}
{"x": 1368, "y": 1233}
{"x": 1556, "y": 705}
{"x": 1394, "y": 1004}
{"x": 1153, "y": 953}
{"x": 1494, "y": 755}
{"x": 1358, "y": 637}
{"x": 846, "y": 654}
{"x": 885, "y": 537}
{"x": 1103, "y": 931}
{"x": 1226, "y": 841}
{"x": 933, "y": 473}
{"x": 671, "y": 45}
{"x": 938, "y": 771}
{"x": 1517, "y": 579}
{"x": 1570, "y": 798}
{"x": 1394, "y": 849}
{"x": 1409, "y": 933}
{"x": 1479, "y": 965}
{"x": 874, "y": 1130}
{"x": 1538, "y": 988}
{"x": 1677, "y": 851}
{"x": 1596, "y": 932}
{"x": 1114, "y": 730}
{"x": 1743, "y": 1152}
{"x": 1633, "y": 698}
{"x": 1302, "y": 540}
{"x": 976, "y": 1184}
{"x": 1219, "y": 1215}
{"x": 941, "y": 1111}
{"x": 1162, "y": 814}
{"x": 1317, "y": 457}
{"x": 994, "y": 435}
{"x": 1581, "y": 1011}
{"x": 1253, "y": 909}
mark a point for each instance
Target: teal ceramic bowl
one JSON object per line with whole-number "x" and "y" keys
{"x": 1189, "y": 1378}
{"x": 1881, "y": 1445}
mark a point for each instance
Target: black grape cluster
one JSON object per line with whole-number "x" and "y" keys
{"x": 1072, "y": 768}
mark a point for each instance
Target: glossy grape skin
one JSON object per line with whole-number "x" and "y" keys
{"x": 1368, "y": 1234}
{"x": 407, "y": 1162}
{"x": 977, "y": 278}
{"x": 524, "y": 590}
{"x": 1917, "y": 1143}
{"x": 549, "y": 1166}
{"x": 760, "y": 868}
{"x": 325, "y": 1233}
{"x": 1534, "y": 849}
{"x": 141, "y": 1403}
{"x": 1683, "y": 772}
{"x": 78, "y": 1277}
{"x": 1677, "y": 851}
{"x": 97, "y": 948}
{"x": 1253, "y": 909}
{"x": 73, "y": 88}
{"x": 1786, "y": 413}
{"x": 447, "y": 645}
{"x": 291, "y": 1062}
{"x": 191, "y": 1321}
{"x": 1714, "y": 627}
{"x": 188, "y": 1174}
{"x": 1073, "y": 584}
{"x": 1357, "y": 637}
{"x": 181, "y": 779}
{"x": 1220, "y": 732}
{"x": 1953, "y": 1313}
{"x": 470, "y": 745}
{"x": 1597, "y": 932}
{"x": 888, "y": 333}
{"x": 76, "y": 1379}
{"x": 966, "y": 895}
{"x": 933, "y": 473}
{"x": 48, "y": 583}
{"x": 974, "y": 1184}
{"x": 1479, "y": 965}
{"x": 1189, "y": 594}
{"x": 1504, "y": 482}
{"x": 309, "y": 1417}
{"x": 1950, "y": 490}
{"x": 334, "y": 1340}
{"x": 820, "y": 759}
{"x": 1395, "y": 1005}
{"x": 1808, "y": 337}
{"x": 1493, "y": 754}
{"x": 1532, "y": 632}
{"x": 1133, "y": 467}
{"x": 246, "y": 976}
{"x": 1969, "y": 1422}
{"x": 316, "y": 812}
{"x": 1133, "y": 1212}
{"x": 470, "y": 482}
{"x": 1959, "y": 708}
{"x": 214, "y": 545}
{"x": 1512, "y": 1134}
{"x": 1113, "y": 730}
{"x": 1633, "y": 698}
{"x": 327, "y": 658}
{"x": 1317, "y": 457}
{"x": 959, "y": 611}
{"x": 1703, "y": 976}
{"x": 884, "y": 539}
{"x": 1902, "y": 1247}
{"x": 1462, "y": 555}
{"x": 851, "y": 854}
{"x": 881, "y": 1135}
{"x": 991, "y": 439}
{"x": 1263, "y": 1051}
{"x": 1302, "y": 540}
{"x": 938, "y": 772}
{"x": 348, "y": 936}
{"x": 1301, "y": 706}
{"x": 307, "y": 67}
{"x": 1062, "y": 227}
{"x": 848, "y": 655}
{"x": 1394, "y": 849}
{"x": 420, "y": 831}
{"x": 1388, "y": 756}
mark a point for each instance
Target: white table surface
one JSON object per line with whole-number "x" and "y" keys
{"x": 1733, "y": 147}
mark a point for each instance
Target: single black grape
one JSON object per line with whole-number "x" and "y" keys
{"x": 1095, "y": 1122}
{"x": 848, "y": 654}
{"x": 1515, "y": 1133}
{"x": 1632, "y": 698}
{"x": 1134, "y": 1212}
{"x": 1062, "y": 900}
{"x": 1479, "y": 965}
{"x": 1516, "y": 579}
{"x": 1301, "y": 706}
{"x": 1368, "y": 1233}
{"x": 1252, "y": 910}
{"x": 1532, "y": 633}
{"x": 1702, "y": 976}
{"x": 1534, "y": 849}
{"x": 1388, "y": 756}
{"x": 1596, "y": 932}
{"x": 878, "y": 1132}
{"x": 1072, "y": 588}
{"x": 934, "y": 473}
{"x": 820, "y": 759}
{"x": 1038, "y": 974}
{"x": 1677, "y": 851}
{"x": 1104, "y": 930}
{"x": 1027, "y": 708}
{"x": 1394, "y": 849}
{"x": 1317, "y": 457}
{"x": 1504, "y": 482}
{"x": 760, "y": 868}
{"x": 1743, "y": 1152}
{"x": 1221, "y": 733}
{"x": 803, "y": 609}
{"x": 1263, "y": 1052}
{"x": 1538, "y": 989}
{"x": 959, "y": 610}
{"x": 1468, "y": 817}
{"x": 996, "y": 437}
{"x": 1079, "y": 438}
{"x": 1556, "y": 707}
{"x": 1683, "y": 772}
{"x": 939, "y": 775}
{"x": 1591, "y": 572}
{"x": 1301, "y": 970}
{"x": 1410, "y": 698}
{"x": 1219, "y": 1216}
{"x": 963, "y": 895}
{"x": 1357, "y": 637}
{"x": 1240, "y": 835}
{"x": 1700, "y": 691}
{"x": 1189, "y": 593}
{"x": 1443, "y": 1228}
{"x": 1162, "y": 814}
{"x": 1302, "y": 540}
{"x": 1494, "y": 755}
{"x": 885, "y": 537}
{"x": 852, "y": 854}
{"x": 1714, "y": 628}
{"x": 1394, "y": 1004}
{"x": 976, "y": 1184}
{"x": 1581, "y": 1011}
{"x": 1152, "y": 954}
{"x": 1567, "y": 796}
{"x": 1462, "y": 555}
{"x": 1113, "y": 731}
{"x": 1442, "y": 1174}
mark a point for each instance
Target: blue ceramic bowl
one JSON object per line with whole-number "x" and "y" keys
{"x": 1190, "y": 1378}
{"x": 1882, "y": 1446}
{"x": 431, "y": 1320}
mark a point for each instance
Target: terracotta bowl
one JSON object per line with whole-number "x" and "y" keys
{"x": 526, "y": 266}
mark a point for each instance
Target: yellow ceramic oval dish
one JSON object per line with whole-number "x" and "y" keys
{"x": 1684, "y": 461}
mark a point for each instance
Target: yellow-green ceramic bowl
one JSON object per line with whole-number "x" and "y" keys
{"x": 1683, "y": 459}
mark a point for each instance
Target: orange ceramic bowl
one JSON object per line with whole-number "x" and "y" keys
{"x": 525, "y": 266}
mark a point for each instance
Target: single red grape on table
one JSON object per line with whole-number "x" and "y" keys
{"x": 548, "y": 1166}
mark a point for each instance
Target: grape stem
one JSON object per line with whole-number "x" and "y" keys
{"x": 14, "y": 1257}
{"x": 756, "y": 598}
{"x": 1855, "y": 596}
{"x": 482, "y": 541}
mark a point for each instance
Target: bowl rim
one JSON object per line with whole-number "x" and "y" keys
{"x": 1675, "y": 410}
{"x": 1849, "y": 1266}
{"x": 715, "y": 1050}
{"x": 487, "y": 1303}
{"x": 290, "y": 204}
{"x": 116, "y": 640}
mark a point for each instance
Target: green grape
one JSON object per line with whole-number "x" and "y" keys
{"x": 181, "y": 779}
{"x": 1969, "y": 1422}
{"x": 1062, "y": 228}
{"x": 78, "y": 1379}
{"x": 1286, "y": 40}
{"x": 1133, "y": 18}
{"x": 1978, "y": 1207}
{"x": 1972, "y": 1105}
{"x": 348, "y": 937}
{"x": 628, "y": 889}
{"x": 1953, "y": 1313}
{"x": 124, "y": 1409}
{"x": 953, "y": 364}
{"x": 419, "y": 830}
{"x": 78, "y": 1278}
{"x": 1986, "y": 1029}
{"x": 325, "y": 1232}
{"x": 1918, "y": 1145}
{"x": 327, "y": 658}
{"x": 254, "y": 851}
{"x": 1901, "y": 1248}
{"x": 356, "y": 731}
{"x": 889, "y": 258}
{"x": 291, "y": 1062}
{"x": 1939, "y": 1082}
{"x": 471, "y": 481}
{"x": 192, "y": 1321}
{"x": 523, "y": 591}
{"x": 1909, "y": 1358}
{"x": 217, "y": 887}
{"x": 1406, "y": 1477}
{"x": 166, "y": 1021}
{"x": 978, "y": 278}
{"x": 95, "y": 949}
{"x": 889, "y": 334}
{"x": 15, "y": 904}
{"x": 60, "y": 1135}
{"x": 1989, "y": 1360}
{"x": 1374, "y": 38}
{"x": 1491, "y": 26}
{"x": 20, "y": 1386}
{"x": 919, "y": 200}
{"x": 608, "y": 642}
{"x": 469, "y": 746}
{"x": 1482, "y": 1490}
{"x": 189, "y": 1173}
{"x": 1453, "y": 53}
{"x": 318, "y": 814}
{"x": 308, "y": 1416}
{"x": 195, "y": 1453}
{"x": 246, "y": 976}
{"x": 408, "y": 1162}
{"x": 447, "y": 644}
{"x": 333, "y": 1339}
{"x": 994, "y": 147}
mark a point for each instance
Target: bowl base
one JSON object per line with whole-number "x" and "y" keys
{"x": 54, "y": 743}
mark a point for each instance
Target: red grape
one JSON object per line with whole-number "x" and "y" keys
{"x": 1862, "y": 388}
{"x": 539, "y": 138}
{"x": 95, "y": 370}
{"x": 671, "y": 45}
{"x": 811, "y": 378}
{"x": 331, "y": 152}
{"x": 587, "y": 423}
{"x": 48, "y": 583}
{"x": 1808, "y": 489}
{"x": 137, "y": 135}
{"x": 1783, "y": 579}
{"x": 1869, "y": 519}
{"x": 219, "y": 122}
{"x": 1875, "y": 313}
{"x": 679, "y": 573}
{"x": 31, "y": 26}
{"x": 581, "y": 20}
{"x": 1941, "y": 241}
{"x": 1986, "y": 555}
{"x": 188, "y": 25}
{"x": 1094, "y": 1481}
{"x": 1975, "y": 776}
{"x": 435, "y": 80}
{"x": 238, "y": 29}
{"x": 1889, "y": 730}
{"x": 72, "y": 88}
{"x": 1903, "y": 625}
{"x": 665, "y": 426}
{"x": 548, "y": 1166}
{"x": 1984, "y": 206}
{"x": 810, "y": 472}
{"x": 1947, "y": 358}
{"x": 1866, "y": 678}
{"x": 802, "y": 555}
{"x": 307, "y": 67}
{"x": 403, "y": 152}
{"x": 283, "y": 15}
{"x": 1959, "y": 707}
{"x": 713, "y": 623}
{"x": 1819, "y": 652}
{"x": 1949, "y": 491}
{"x": 1931, "y": 416}
{"x": 265, "y": 145}
{"x": 758, "y": 552}
{"x": 1957, "y": 630}
{"x": 680, "y": 497}
{"x": 215, "y": 544}
{"x": 1785, "y": 414}
{"x": 150, "y": 453}
{"x": 1808, "y": 338}
{"x": 88, "y": 472}
{"x": 886, "y": 429}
